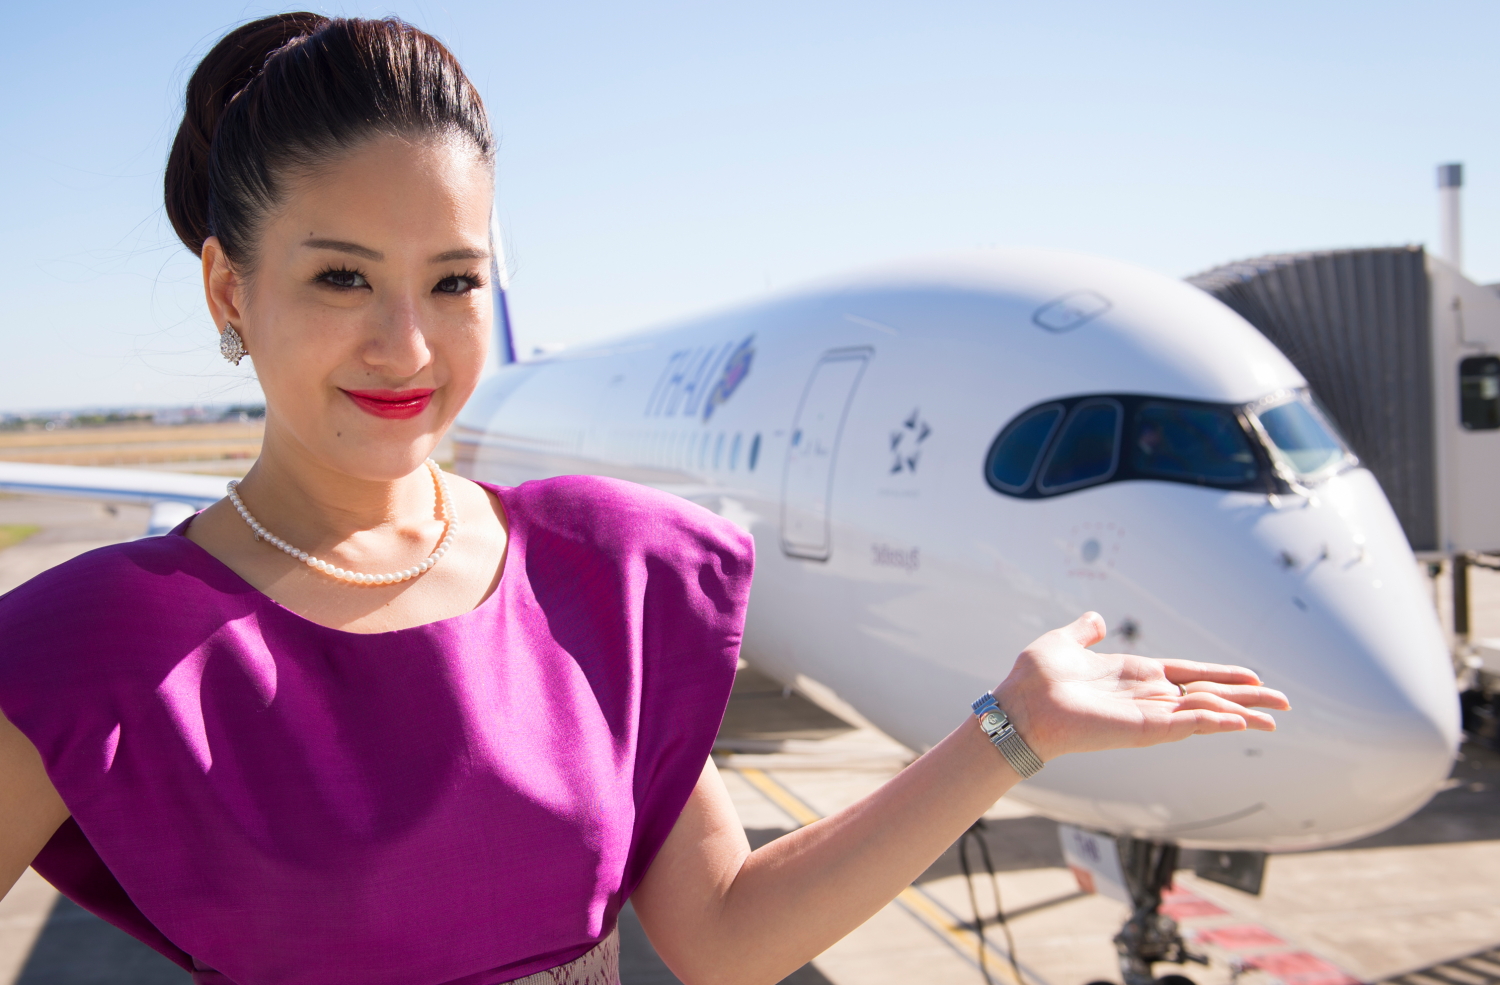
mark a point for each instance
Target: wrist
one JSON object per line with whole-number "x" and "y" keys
{"x": 1008, "y": 697}
{"x": 1002, "y": 733}
{"x": 984, "y": 757}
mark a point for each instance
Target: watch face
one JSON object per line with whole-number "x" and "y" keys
{"x": 991, "y": 721}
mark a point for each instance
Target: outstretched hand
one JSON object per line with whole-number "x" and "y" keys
{"x": 1065, "y": 698}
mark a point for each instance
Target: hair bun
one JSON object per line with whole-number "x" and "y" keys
{"x": 224, "y": 71}
{"x": 282, "y": 95}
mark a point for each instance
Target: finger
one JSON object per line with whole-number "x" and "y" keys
{"x": 1086, "y": 630}
{"x": 1187, "y": 671}
{"x": 1249, "y": 697}
{"x": 1202, "y": 721}
{"x": 1204, "y": 701}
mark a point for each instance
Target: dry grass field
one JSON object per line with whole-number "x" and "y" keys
{"x": 220, "y": 449}
{"x": 214, "y": 449}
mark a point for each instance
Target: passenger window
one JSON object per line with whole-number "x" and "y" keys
{"x": 1188, "y": 443}
{"x": 1013, "y": 460}
{"x": 1088, "y": 449}
{"x": 1479, "y": 393}
{"x": 1299, "y": 439}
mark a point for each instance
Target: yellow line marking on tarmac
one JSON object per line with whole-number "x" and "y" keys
{"x": 779, "y": 795}
{"x": 918, "y": 903}
{"x": 961, "y": 938}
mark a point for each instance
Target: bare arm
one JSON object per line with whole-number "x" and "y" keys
{"x": 719, "y": 913}
{"x": 30, "y": 809}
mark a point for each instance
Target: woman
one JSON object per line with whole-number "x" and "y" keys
{"x": 364, "y": 722}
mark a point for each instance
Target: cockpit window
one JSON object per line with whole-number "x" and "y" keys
{"x": 1088, "y": 449}
{"x": 1273, "y": 445}
{"x": 1013, "y": 460}
{"x": 1300, "y": 440}
{"x": 1191, "y": 443}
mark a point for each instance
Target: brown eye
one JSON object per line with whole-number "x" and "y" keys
{"x": 346, "y": 280}
{"x": 456, "y": 284}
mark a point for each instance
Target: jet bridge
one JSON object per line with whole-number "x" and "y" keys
{"x": 1404, "y": 353}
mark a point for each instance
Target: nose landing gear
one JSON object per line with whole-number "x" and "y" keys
{"x": 1150, "y": 936}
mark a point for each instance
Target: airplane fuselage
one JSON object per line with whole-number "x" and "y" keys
{"x": 852, "y": 430}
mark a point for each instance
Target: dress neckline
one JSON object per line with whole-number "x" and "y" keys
{"x": 263, "y": 599}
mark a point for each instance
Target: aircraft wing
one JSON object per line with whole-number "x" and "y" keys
{"x": 111, "y": 485}
{"x": 172, "y": 496}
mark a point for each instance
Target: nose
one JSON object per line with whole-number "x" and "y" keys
{"x": 398, "y": 346}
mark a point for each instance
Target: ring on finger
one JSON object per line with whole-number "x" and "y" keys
{"x": 1181, "y": 691}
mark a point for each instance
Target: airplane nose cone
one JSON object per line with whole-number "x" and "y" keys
{"x": 1323, "y": 598}
{"x": 1354, "y": 642}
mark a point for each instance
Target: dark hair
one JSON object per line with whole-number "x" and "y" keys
{"x": 282, "y": 95}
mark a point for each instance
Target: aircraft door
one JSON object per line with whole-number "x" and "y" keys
{"x": 807, "y": 484}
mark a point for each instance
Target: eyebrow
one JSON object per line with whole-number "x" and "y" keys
{"x": 354, "y": 249}
{"x": 339, "y": 246}
{"x": 452, "y": 255}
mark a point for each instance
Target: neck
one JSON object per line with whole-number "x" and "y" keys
{"x": 300, "y": 495}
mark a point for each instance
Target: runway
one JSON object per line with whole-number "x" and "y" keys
{"x": 1418, "y": 904}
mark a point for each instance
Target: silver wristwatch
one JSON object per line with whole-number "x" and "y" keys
{"x": 1003, "y": 734}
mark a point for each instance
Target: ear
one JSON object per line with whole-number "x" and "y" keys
{"x": 221, "y": 286}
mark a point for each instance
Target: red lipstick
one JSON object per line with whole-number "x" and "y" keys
{"x": 395, "y": 405}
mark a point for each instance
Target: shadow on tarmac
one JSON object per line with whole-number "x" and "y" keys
{"x": 1468, "y": 809}
{"x": 761, "y": 710}
{"x": 77, "y": 948}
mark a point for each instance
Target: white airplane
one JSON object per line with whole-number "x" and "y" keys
{"x": 943, "y": 459}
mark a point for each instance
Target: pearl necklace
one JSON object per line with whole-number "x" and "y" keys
{"x": 445, "y": 505}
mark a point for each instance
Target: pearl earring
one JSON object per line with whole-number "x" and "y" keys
{"x": 231, "y": 346}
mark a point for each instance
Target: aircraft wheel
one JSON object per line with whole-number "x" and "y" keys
{"x": 1175, "y": 980}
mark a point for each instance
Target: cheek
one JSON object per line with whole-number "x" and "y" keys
{"x": 467, "y": 342}
{"x": 479, "y": 341}
{"x": 299, "y": 348}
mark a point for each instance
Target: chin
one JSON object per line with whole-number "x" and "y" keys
{"x": 380, "y": 461}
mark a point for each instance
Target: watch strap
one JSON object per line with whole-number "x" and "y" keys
{"x": 1003, "y": 735}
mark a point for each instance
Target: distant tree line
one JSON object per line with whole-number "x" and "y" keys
{"x": 105, "y": 418}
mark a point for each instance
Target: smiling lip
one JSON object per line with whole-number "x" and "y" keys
{"x": 391, "y": 404}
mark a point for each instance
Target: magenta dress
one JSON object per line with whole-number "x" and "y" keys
{"x": 268, "y": 801}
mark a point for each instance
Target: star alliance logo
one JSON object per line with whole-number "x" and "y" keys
{"x": 906, "y": 443}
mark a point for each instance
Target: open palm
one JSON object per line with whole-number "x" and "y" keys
{"x": 1065, "y": 698}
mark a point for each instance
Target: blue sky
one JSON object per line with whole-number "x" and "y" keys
{"x": 659, "y": 159}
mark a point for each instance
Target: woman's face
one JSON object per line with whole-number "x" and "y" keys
{"x": 368, "y": 312}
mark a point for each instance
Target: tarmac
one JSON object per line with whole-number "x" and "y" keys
{"x": 1418, "y": 904}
